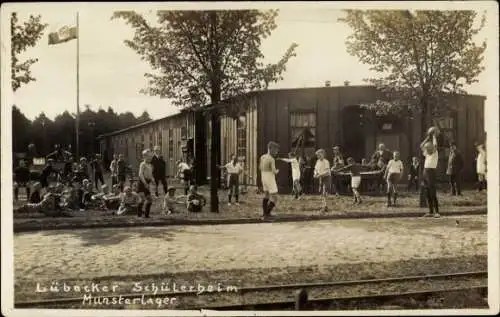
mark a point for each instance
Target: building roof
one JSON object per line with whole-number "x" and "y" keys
{"x": 211, "y": 106}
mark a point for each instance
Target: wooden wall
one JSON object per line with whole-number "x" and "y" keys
{"x": 329, "y": 103}
{"x": 130, "y": 143}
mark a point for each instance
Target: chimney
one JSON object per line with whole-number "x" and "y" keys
{"x": 327, "y": 83}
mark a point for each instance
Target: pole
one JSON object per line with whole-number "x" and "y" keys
{"x": 77, "y": 87}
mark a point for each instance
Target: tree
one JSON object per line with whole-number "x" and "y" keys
{"x": 20, "y": 130}
{"x": 144, "y": 117}
{"x": 421, "y": 57}
{"x": 202, "y": 57}
{"x": 23, "y": 36}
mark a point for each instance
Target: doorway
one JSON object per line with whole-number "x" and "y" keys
{"x": 353, "y": 132}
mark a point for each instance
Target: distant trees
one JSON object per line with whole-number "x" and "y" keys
{"x": 23, "y": 36}
{"x": 45, "y": 133}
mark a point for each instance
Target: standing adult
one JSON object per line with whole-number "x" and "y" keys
{"x": 429, "y": 149}
{"x": 481, "y": 167}
{"x": 122, "y": 171}
{"x": 159, "y": 170}
{"x": 268, "y": 173}
{"x": 98, "y": 168}
{"x": 454, "y": 169}
{"x": 145, "y": 179}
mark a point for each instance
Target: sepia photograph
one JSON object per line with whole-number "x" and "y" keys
{"x": 250, "y": 158}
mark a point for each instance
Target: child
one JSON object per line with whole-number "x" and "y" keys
{"x": 46, "y": 172}
{"x": 50, "y": 205}
{"x": 413, "y": 174}
{"x": 322, "y": 173}
{"x": 481, "y": 167}
{"x": 129, "y": 201}
{"x": 170, "y": 201}
{"x": 292, "y": 159}
{"x": 36, "y": 196}
{"x": 392, "y": 176}
{"x": 87, "y": 191}
{"x": 233, "y": 169}
{"x": 355, "y": 170}
{"x": 184, "y": 174}
{"x": 112, "y": 200}
{"x": 22, "y": 178}
{"x": 195, "y": 201}
{"x": 145, "y": 176}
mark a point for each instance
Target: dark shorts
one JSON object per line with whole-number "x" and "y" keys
{"x": 393, "y": 178}
{"x": 429, "y": 177}
{"x": 234, "y": 180}
{"x": 141, "y": 188}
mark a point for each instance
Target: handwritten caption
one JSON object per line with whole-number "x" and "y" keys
{"x": 137, "y": 293}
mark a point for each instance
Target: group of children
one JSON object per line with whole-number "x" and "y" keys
{"x": 392, "y": 173}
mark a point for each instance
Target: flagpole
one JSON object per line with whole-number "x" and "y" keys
{"x": 77, "y": 87}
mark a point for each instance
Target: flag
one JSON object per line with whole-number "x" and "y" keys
{"x": 64, "y": 34}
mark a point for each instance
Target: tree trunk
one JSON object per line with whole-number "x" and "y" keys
{"x": 214, "y": 161}
{"x": 423, "y": 128}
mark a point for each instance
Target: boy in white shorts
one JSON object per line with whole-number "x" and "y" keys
{"x": 355, "y": 170}
{"x": 268, "y": 173}
{"x": 323, "y": 174}
{"x": 292, "y": 159}
{"x": 393, "y": 173}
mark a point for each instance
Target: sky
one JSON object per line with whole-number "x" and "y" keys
{"x": 111, "y": 74}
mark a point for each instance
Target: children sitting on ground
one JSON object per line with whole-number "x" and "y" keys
{"x": 355, "y": 171}
{"x": 170, "y": 201}
{"x": 323, "y": 174}
{"x": 36, "y": 195}
{"x": 195, "y": 201}
{"x": 292, "y": 159}
{"x": 88, "y": 191}
{"x": 129, "y": 202}
{"x": 50, "y": 205}
{"x": 392, "y": 175}
{"x": 104, "y": 199}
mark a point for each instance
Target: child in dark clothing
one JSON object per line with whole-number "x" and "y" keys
{"x": 46, "y": 172}
{"x": 21, "y": 179}
{"x": 413, "y": 174}
{"x": 195, "y": 201}
{"x": 36, "y": 196}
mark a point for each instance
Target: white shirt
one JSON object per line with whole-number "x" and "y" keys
{"x": 431, "y": 160}
{"x": 395, "y": 167}
{"x": 233, "y": 168}
{"x": 183, "y": 166}
{"x": 322, "y": 168}
{"x": 267, "y": 164}
{"x": 295, "y": 167}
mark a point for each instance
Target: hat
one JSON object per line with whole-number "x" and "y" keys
{"x": 336, "y": 147}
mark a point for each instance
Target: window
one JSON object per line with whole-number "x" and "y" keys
{"x": 303, "y": 123}
{"x": 241, "y": 135}
{"x": 183, "y": 132}
{"x": 170, "y": 144}
{"x": 160, "y": 141}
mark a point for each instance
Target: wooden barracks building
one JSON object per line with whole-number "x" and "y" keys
{"x": 331, "y": 115}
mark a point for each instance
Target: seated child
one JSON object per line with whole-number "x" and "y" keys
{"x": 195, "y": 201}
{"x": 129, "y": 201}
{"x": 170, "y": 201}
{"x": 36, "y": 196}
{"x": 113, "y": 199}
{"x": 88, "y": 191}
{"x": 100, "y": 198}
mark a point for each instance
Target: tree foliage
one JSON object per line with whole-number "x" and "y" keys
{"x": 45, "y": 133}
{"x": 202, "y": 57}
{"x": 23, "y": 36}
{"x": 420, "y": 56}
